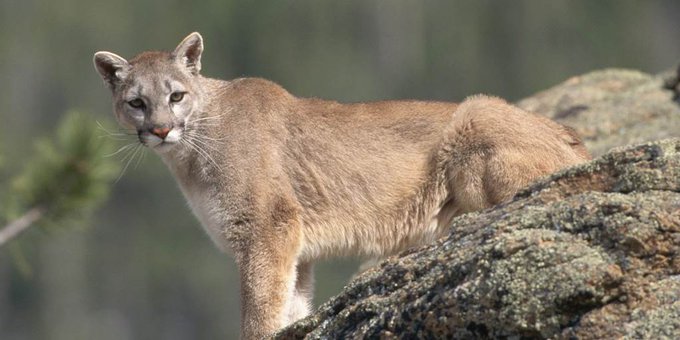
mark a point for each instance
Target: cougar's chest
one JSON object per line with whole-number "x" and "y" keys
{"x": 203, "y": 201}
{"x": 205, "y": 205}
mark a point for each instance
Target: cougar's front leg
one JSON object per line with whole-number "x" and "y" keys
{"x": 267, "y": 260}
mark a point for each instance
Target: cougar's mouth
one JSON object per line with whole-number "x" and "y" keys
{"x": 161, "y": 139}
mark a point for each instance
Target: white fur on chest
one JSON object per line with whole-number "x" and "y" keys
{"x": 202, "y": 199}
{"x": 208, "y": 211}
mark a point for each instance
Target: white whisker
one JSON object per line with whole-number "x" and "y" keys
{"x": 114, "y": 138}
{"x": 197, "y": 140}
{"x": 122, "y": 148}
{"x": 201, "y": 151}
{"x": 199, "y": 136}
{"x": 191, "y": 146}
{"x": 196, "y": 147}
{"x": 124, "y": 133}
{"x": 204, "y": 124}
{"x": 142, "y": 155}
{"x": 208, "y": 118}
{"x": 131, "y": 155}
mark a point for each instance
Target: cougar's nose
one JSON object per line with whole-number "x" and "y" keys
{"x": 161, "y": 132}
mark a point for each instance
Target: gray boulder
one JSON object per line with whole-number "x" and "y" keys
{"x": 613, "y": 108}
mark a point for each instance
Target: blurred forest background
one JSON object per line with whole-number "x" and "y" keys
{"x": 142, "y": 268}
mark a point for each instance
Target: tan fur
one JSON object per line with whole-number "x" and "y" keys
{"x": 283, "y": 181}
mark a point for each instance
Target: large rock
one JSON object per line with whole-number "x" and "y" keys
{"x": 590, "y": 252}
{"x": 612, "y": 108}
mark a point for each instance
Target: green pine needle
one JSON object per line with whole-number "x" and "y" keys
{"x": 67, "y": 176}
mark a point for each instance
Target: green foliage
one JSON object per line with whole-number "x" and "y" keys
{"x": 68, "y": 175}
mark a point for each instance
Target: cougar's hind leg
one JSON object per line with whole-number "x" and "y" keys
{"x": 300, "y": 303}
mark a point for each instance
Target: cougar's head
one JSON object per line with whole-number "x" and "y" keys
{"x": 155, "y": 93}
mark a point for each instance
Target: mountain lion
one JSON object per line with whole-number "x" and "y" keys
{"x": 281, "y": 181}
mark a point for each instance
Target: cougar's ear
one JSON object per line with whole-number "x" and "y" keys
{"x": 111, "y": 67}
{"x": 188, "y": 52}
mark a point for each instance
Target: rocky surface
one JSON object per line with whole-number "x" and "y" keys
{"x": 591, "y": 252}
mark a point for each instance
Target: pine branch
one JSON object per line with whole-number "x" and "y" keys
{"x": 16, "y": 227}
{"x": 65, "y": 178}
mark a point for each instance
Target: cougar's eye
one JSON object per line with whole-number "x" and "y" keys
{"x": 136, "y": 103}
{"x": 176, "y": 97}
